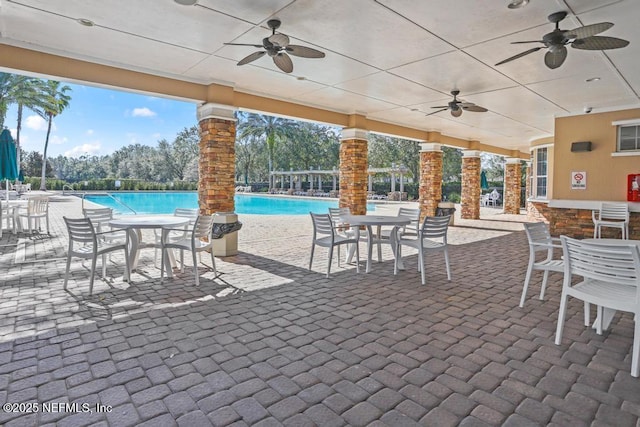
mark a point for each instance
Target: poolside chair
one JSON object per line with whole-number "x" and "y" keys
{"x": 8, "y": 215}
{"x": 383, "y": 235}
{"x": 191, "y": 241}
{"x": 432, "y": 236}
{"x": 192, "y": 214}
{"x": 610, "y": 276}
{"x": 540, "y": 240}
{"x": 614, "y": 215}
{"x": 36, "y": 209}
{"x": 326, "y": 235}
{"x": 91, "y": 245}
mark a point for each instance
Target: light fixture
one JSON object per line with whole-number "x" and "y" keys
{"x": 186, "y": 2}
{"x": 593, "y": 79}
{"x": 86, "y": 22}
{"x": 517, "y": 4}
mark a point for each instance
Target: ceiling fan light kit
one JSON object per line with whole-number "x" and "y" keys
{"x": 278, "y": 48}
{"x": 517, "y": 4}
{"x": 556, "y": 42}
{"x": 456, "y": 106}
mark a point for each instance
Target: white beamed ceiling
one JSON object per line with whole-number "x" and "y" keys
{"x": 389, "y": 60}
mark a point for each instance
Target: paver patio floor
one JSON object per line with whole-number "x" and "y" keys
{"x": 271, "y": 343}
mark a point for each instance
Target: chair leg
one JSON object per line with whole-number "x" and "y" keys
{"x": 104, "y": 265}
{"x": 561, "y": 315}
{"x": 635, "y": 354}
{"x": 421, "y": 263}
{"x": 527, "y": 279}
{"x": 446, "y": 261}
{"x": 357, "y": 258}
{"x": 127, "y": 276}
{"x": 182, "y": 261}
{"x": 313, "y": 246}
{"x": 66, "y": 272}
{"x": 195, "y": 267}
{"x": 600, "y": 319}
{"x": 329, "y": 261}
{"x": 587, "y": 314}
{"x": 213, "y": 263}
{"x": 545, "y": 276}
{"x": 94, "y": 261}
{"x": 162, "y": 249}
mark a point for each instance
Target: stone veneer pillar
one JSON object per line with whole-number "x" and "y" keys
{"x": 216, "y": 167}
{"x": 430, "y": 191}
{"x": 470, "y": 197}
{"x": 512, "y": 185}
{"x": 353, "y": 170}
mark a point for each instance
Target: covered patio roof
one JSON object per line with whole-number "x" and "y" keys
{"x": 388, "y": 62}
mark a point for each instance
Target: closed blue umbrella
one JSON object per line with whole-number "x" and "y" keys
{"x": 8, "y": 162}
{"x": 21, "y": 176}
{"x": 484, "y": 184}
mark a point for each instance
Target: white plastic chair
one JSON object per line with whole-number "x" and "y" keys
{"x": 540, "y": 240}
{"x": 192, "y": 214}
{"x": 383, "y": 235}
{"x": 91, "y": 245}
{"x": 193, "y": 242}
{"x": 7, "y": 214}
{"x": 493, "y": 198}
{"x": 610, "y": 279}
{"x": 36, "y": 209}
{"x": 615, "y": 215}
{"x": 432, "y": 236}
{"x": 326, "y": 235}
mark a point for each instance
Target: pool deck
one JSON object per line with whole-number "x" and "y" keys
{"x": 270, "y": 343}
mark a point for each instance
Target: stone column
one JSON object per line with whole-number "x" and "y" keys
{"x": 353, "y": 170}
{"x": 430, "y": 191}
{"x": 512, "y": 185}
{"x": 216, "y": 165}
{"x": 470, "y": 197}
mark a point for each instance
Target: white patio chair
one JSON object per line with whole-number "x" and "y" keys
{"x": 193, "y": 242}
{"x": 432, "y": 236}
{"x": 493, "y": 198}
{"x": 540, "y": 240}
{"x": 326, "y": 235}
{"x": 192, "y": 214}
{"x": 383, "y": 235}
{"x": 615, "y": 215}
{"x": 610, "y": 279}
{"x": 8, "y": 215}
{"x": 90, "y": 246}
{"x": 36, "y": 209}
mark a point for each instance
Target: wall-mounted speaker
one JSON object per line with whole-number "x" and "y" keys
{"x": 577, "y": 147}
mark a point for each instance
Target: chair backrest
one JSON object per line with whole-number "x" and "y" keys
{"x": 619, "y": 211}
{"x": 38, "y": 205}
{"x": 322, "y": 224}
{"x": 203, "y": 226}
{"x": 601, "y": 261}
{"x": 80, "y": 230}
{"x": 537, "y": 232}
{"x": 435, "y": 227}
{"x": 184, "y": 212}
{"x": 336, "y": 215}
{"x": 414, "y": 214}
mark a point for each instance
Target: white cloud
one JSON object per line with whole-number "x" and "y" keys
{"x": 80, "y": 150}
{"x": 55, "y": 139}
{"x": 89, "y": 132}
{"x": 142, "y": 112}
{"x": 36, "y": 123}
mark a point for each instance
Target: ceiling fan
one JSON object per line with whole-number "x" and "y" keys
{"x": 277, "y": 47}
{"x": 456, "y": 106}
{"x": 579, "y": 38}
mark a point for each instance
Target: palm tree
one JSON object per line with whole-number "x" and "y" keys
{"x": 272, "y": 129}
{"x": 27, "y": 92}
{"x": 55, "y": 101}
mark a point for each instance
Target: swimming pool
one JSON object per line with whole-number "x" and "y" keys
{"x": 165, "y": 203}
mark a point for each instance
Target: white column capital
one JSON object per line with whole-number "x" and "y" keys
{"x": 430, "y": 147}
{"x": 354, "y": 133}
{"x": 471, "y": 153}
{"x": 512, "y": 160}
{"x": 212, "y": 110}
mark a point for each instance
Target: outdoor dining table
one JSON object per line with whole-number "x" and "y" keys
{"x": 134, "y": 224}
{"x": 377, "y": 221}
{"x": 608, "y": 313}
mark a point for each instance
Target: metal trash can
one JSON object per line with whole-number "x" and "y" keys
{"x": 446, "y": 208}
{"x": 225, "y": 234}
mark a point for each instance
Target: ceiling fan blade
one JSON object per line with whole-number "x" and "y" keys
{"x": 304, "y": 52}
{"x": 283, "y": 61}
{"x": 442, "y": 109}
{"x": 589, "y": 30}
{"x": 475, "y": 109}
{"x": 279, "y": 40}
{"x": 528, "y": 41}
{"x": 520, "y": 55}
{"x": 457, "y": 112}
{"x": 259, "y": 46}
{"x": 555, "y": 58}
{"x": 441, "y": 106}
{"x": 599, "y": 43}
{"x": 252, "y": 57}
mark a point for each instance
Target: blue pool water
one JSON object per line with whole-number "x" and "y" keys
{"x": 159, "y": 203}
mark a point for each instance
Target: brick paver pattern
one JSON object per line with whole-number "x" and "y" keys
{"x": 270, "y": 343}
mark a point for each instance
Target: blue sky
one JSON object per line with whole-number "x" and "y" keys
{"x": 100, "y": 121}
